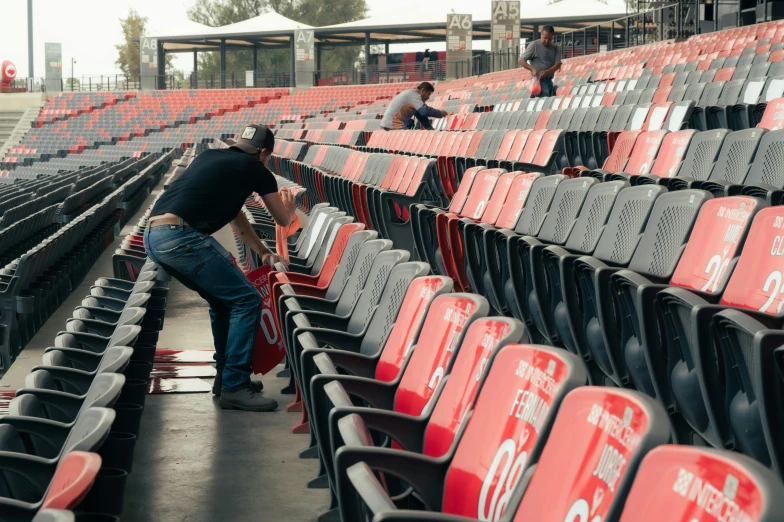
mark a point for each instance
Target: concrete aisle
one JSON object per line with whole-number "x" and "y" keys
{"x": 195, "y": 462}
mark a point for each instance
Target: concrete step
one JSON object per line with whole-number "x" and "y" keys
{"x": 13, "y": 131}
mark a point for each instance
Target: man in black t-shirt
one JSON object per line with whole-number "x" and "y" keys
{"x": 206, "y": 197}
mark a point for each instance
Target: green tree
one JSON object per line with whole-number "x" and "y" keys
{"x": 76, "y": 84}
{"x": 317, "y": 13}
{"x": 128, "y": 55}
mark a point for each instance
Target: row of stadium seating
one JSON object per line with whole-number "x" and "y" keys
{"x": 481, "y": 425}
{"x": 656, "y": 272}
{"x": 630, "y": 221}
{"x": 51, "y": 233}
{"x": 135, "y": 116}
{"x": 67, "y": 437}
{"x": 67, "y": 104}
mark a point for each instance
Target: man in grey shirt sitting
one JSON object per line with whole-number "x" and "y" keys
{"x": 542, "y": 57}
{"x": 408, "y": 104}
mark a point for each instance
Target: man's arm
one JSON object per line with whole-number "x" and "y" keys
{"x": 527, "y": 55}
{"x": 525, "y": 65}
{"x": 281, "y": 205}
{"x": 432, "y": 113}
{"x": 423, "y": 120}
{"x": 243, "y": 229}
{"x": 551, "y": 70}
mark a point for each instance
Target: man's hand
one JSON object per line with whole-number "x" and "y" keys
{"x": 288, "y": 199}
{"x": 444, "y": 114}
{"x": 271, "y": 259}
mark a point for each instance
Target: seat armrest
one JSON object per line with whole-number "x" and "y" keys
{"x": 69, "y": 405}
{"x": 357, "y": 466}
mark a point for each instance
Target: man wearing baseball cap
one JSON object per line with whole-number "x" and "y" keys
{"x": 206, "y": 197}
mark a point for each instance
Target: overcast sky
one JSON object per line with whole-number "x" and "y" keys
{"x": 89, "y": 29}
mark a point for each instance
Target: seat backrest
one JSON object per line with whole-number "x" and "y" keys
{"x": 356, "y": 277}
{"x": 767, "y": 168}
{"x": 438, "y": 342}
{"x": 567, "y": 202}
{"x": 72, "y": 480}
{"x": 620, "y": 153}
{"x": 667, "y": 232}
{"x": 644, "y": 153}
{"x": 675, "y": 483}
{"x": 711, "y": 93}
{"x": 588, "y": 463}
{"x": 671, "y": 153}
{"x": 459, "y": 199}
{"x": 736, "y": 154}
{"x": 702, "y": 153}
{"x": 506, "y": 144}
{"x": 639, "y": 116}
{"x": 351, "y": 253}
{"x": 773, "y": 117}
{"x": 538, "y": 205}
{"x": 724, "y": 74}
{"x": 715, "y": 244}
{"x": 311, "y": 231}
{"x": 774, "y": 86}
{"x": 384, "y": 291}
{"x": 627, "y": 222}
{"x": 731, "y": 92}
{"x": 392, "y": 329}
{"x": 361, "y": 305}
{"x": 694, "y": 92}
{"x": 516, "y": 200}
{"x": 622, "y": 115}
{"x": 114, "y": 359}
{"x": 606, "y": 117}
{"x": 319, "y": 255}
{"x": 90, "y": 430}
{"x": 482, "y": 340}
{"x": 508, "y": 426}
{"x": 752, "y": 90}
{"x": 595, "y": 212}
{"x": 756, "y": 282}
{"x": 497, "y": 200}
{"x": 483, "y": 187}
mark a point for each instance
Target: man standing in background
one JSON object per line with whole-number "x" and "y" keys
{"x": 543, "y": 58}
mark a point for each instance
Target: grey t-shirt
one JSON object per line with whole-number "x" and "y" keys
{"x": 402, "y": 108}
{"x": 541, "y": 56}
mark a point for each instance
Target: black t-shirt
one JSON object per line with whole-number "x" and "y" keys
{"x": 212, "y": 190}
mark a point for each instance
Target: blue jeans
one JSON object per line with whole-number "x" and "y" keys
{"x": 200, "y": 263}
{"x": 548, "y": 89}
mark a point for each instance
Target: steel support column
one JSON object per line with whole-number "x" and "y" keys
{"x": 223, "y": 64}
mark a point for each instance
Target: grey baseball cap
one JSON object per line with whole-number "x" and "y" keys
{"x": 252, "y": 138}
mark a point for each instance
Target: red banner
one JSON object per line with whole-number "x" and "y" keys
{"x": 269, "y": 349}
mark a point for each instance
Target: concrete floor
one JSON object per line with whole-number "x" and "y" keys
{"x": 195, "y": 462}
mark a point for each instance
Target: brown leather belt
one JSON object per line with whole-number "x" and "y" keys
{"x": 158, "y": 221}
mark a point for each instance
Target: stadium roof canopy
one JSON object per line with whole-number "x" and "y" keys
{"x": 406, "y": 24}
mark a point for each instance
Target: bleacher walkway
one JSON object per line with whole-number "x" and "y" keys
{"x": 197, "y": 462}
{"x": 202, "y": 463}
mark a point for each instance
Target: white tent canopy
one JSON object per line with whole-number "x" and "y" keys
{"x": 400, "y": 18}
{"x": 266, "y": 24}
